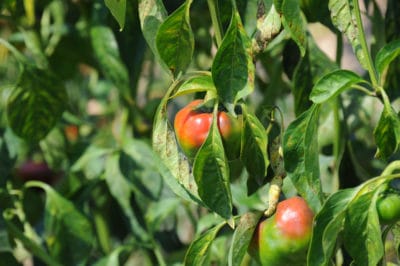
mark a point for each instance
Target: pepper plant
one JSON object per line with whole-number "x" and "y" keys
{"x": 90, "y": 91}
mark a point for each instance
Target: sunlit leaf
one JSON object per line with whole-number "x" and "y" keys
{"x": 196, "y": 84}
{"x": 386, "y": 55}
{"x": 362, "y": 221}
{"x": 328, "y": 224}
{"x": 118, "y": 10}
{"x": 242, "y": 237}
{"x": 152, "y": 14}
{"x": 211, "y": 173}
{"x": 65, "y": 227}
{"x": 351, "y": 212}
{"x": 233, "y": 68}
{"x": 175, "y": 40}
{"x": 333, "y": 84}
{"x": 300, "y": 147}
{"x": 254, "y": 148}
{"x": 177, "y": 176}
{"x": 294, "y": 23}
{"x": 268, "y": 25}
{"x": 387, "y": 132}
{"x": 343, "y": 17}
{"x": 197, "y": 254}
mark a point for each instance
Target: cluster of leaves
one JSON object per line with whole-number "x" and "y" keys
{"x": 127, "y": 193}
{"x": 317, "y": 82}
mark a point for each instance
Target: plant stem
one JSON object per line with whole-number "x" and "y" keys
{"x": 364, "y": 90}
{"x": 18, "y": 55}
{"x": 370, "y": 66}
{"x": 103, "y": 232}
{"x": 159, "y": 256}
{"x": 337, "y": 142}
{"x": 338, "y": 130}
{"x": 393, "y": 166}
{"x": 214, "y": 12}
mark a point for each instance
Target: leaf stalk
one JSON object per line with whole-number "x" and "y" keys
{"x": 215, "y": 19}
{"x": 370, "y": 66}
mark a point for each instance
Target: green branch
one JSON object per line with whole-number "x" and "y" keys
{"x": 216, "y": 22}
{"x": 370, "y": 66}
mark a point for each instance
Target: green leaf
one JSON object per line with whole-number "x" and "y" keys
{"x": 117, "y": 257}
{"x": 199, "y": 249}
{"x": 118, "y": 10}
{"x": 36, "y": 104}
{"x": 387, "y": 132}
{"x": 159, "y": 211}
{"x": 302, "y": 84}
{"x": 343, "y": 17}
{"x": 353, "y": 211}
{"x": 254, "y": 147}
{"x": 328, "y": 223}
{"x": 333, "y": 84}
{"x": 35, "y": 47}
{"x": 140, "y": 169}
{"x": 311, "y": 67}
{"x": 396, "y": 238}
{"x": 300, "y": 148}
{"x": 121, "y": 190}
{"x": 177, "y": 175}
{"x": 175, "y": 41}
{"x": 268, "y": 25}
{"x": 294, "y": 23}
{"x": 242, "y": 237}
{"x": 362, "y": 232}
{"x": 15, "y": 231}
{"x": 278, "y": 5}
{"x": 152, "y": 14}
{"x": 54, "y": 148}
{"x": 196, "y": 84}
{"x": 386, "y": 55}
{"x": 211, "y": 172}
{"x": 144, "y": 181}
{"x": 52, "y": 25}
{"x": 106, "y": 52}
{"x": 233, "y": 68}
{"x": 91, "y": 162}
{"x": 69, "y": 234}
